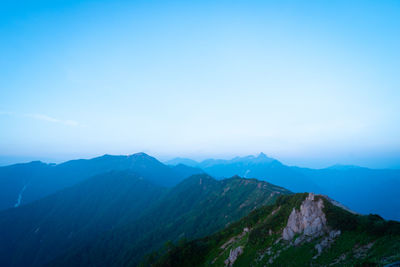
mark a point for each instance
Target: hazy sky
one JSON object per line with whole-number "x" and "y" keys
{"x": 312, "y": 83}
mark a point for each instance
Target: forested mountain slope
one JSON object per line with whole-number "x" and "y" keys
{"x": 363, "y": 190}
{"x": 298, "y": 230}
{"x": 35, "y": 233}
{"x": 198, "y": 206}
{"x": 24, "y": 183}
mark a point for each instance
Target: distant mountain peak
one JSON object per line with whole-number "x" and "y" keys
{"x": 236, "y": 177}
{"x": 262, "y": 155}
{"x": 36, "y": 162}
{"x": 140, "y": 154}
{"x": 251, "y": 158}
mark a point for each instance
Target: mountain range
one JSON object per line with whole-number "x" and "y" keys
{"x": 133, "y": 215}
{"x": 361, "y": 189}
{"x": 298, "y": 230}
{"x": 24, "y": 183}
{"x": 134, "y": 210}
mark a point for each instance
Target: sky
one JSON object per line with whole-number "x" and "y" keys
{"x": 311, "y": 83}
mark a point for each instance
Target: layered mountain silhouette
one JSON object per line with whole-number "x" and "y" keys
{"x": 134, "y": 210}
{"x": 23, "y": 183}
{"x": 118, "y": 217}
{"x": 363, "y": 190}
{"x": 33, "y": 234}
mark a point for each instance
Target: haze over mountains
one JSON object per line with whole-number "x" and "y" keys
{"x": 121, "y": 210}
{"x": 26, "y": 182}
{"x": 353, "y": 186}
{"x": 362, "y": 189}
{"x": 310, "y": 83}
{"x": 138, "y": 215}
{"x": 47, "y": 227}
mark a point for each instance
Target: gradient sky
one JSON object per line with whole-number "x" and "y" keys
{"x": 312, "y": 84}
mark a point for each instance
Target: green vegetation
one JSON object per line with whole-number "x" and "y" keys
{"x": 36, "y": 232}
{"x": 364, "y": 241}
{"x": 117, "y": 218}
{"x": 37, "y": 179}
{"x": 197, "y": 207}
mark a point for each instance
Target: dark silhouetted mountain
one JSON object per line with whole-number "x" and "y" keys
{"x": 198, "y": 206}
{"x": 35, "y": 233}
{"x": 23, "y": 183}
{"x": 363, "y": 190}
{"x": 298, "y": 230}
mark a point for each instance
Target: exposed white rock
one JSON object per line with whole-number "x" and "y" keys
{"x": 361, "y": 252}
{"x": 275, "y": 210}
{"x": 298, "y": 241}
{"x": 334, "y": 233}
{"x": 326, "y": 242}
{"x": 235, "y": 238}
{"x": 310, "y": 220}
{"x": 233, "y": 254}
{"x": 19, "y": 199}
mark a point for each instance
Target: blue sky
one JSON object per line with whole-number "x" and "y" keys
{"x": 312, "y": 83}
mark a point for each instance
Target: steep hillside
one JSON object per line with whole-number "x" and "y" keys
{"x": 24, "y": 183}
{"x": 298, "y": 230}
{"x": 260, "y": 167}
{"x": 15, "y": 180}
{"x": 182, "y": 170}
{"x": 35, "y": 233}
{"x": 374, "y": 187}
{"x": 198, "y": 206}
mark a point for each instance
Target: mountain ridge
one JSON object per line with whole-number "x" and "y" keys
{"x": 48, "y": 226}
{"x": 298, "y": 230}
{"x": 41, "y": 179}
{"x": 198, "y": 206}
{"x": 372, "y": 186}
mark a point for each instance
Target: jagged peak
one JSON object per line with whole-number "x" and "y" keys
{"x": 309, "y": 220}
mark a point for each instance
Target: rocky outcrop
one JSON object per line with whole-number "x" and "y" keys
{"x": 310, "y": 220}
{"x": 235, "y": 238}
{"x": 326, "y": 242}
{"x": 233, "y": 254}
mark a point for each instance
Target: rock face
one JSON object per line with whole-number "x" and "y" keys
{"x": 233, "y": 254}
{"x": 326, "y": 242}
{"x": 310, "y": 220}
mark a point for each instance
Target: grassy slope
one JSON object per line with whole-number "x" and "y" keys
{"x": 195, "y": 208}
{"x": 349, "y": 249}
